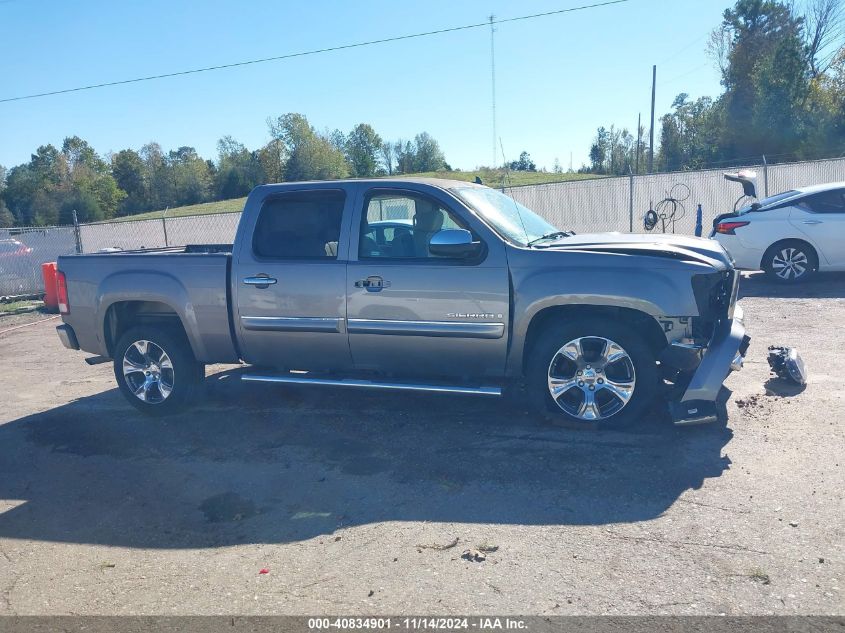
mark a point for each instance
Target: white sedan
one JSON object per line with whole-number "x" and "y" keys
{"x": 791, "y": 235}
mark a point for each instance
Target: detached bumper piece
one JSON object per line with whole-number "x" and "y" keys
{"x": 692, "y": 412}
{"x": 67, "y": 336}
{"x": 725, "y": 354}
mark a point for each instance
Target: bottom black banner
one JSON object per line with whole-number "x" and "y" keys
{"x": 527, "y": 624}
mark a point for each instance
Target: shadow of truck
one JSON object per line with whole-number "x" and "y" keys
{"x": 270, "y": 465}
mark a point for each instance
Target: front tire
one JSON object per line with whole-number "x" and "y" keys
{"x": 790, "y": 262}
{"x": 156, "y": 370}
{"x": 591, "y": 373}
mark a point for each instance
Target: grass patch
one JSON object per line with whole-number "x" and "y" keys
{"x": 19, "y": 307}
{"x": 499, "y": 177}
{"x": 490, "y": 177}
{"x": 221, "y": 206}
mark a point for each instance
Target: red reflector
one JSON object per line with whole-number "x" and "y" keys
{"x": 61, "y": 293}
{"x": 728, "y": 228}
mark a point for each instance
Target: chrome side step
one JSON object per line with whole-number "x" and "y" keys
{"x": 368, "y": 384}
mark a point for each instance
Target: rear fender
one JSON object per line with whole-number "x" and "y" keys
{"x": 148, "y": 286}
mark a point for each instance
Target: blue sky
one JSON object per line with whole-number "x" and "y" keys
{"x": 558, "y": 78}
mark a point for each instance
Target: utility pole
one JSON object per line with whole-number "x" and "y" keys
{"x": 493, "y": 84}
{"x": 639, "y": 141}
{"x": 651, "y": 131}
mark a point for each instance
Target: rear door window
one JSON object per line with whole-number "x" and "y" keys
{"x": 300, "y": 225}
{"x": 825, "y": 202}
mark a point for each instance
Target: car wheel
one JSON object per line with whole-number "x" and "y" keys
{"x": 593, "y": 373}
{"x": 790, "y": 262}
{"x": 155, "y": 370}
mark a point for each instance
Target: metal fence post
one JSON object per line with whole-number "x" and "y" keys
{"x": 164, "y": 225}
{"x": 77, "y": 234}
{"x": 765, "y": 177}
{"x": 630, "y": 200}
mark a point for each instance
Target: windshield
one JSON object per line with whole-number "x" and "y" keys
{"x": 770, "y": 200}
{"x": 510, "y": 219}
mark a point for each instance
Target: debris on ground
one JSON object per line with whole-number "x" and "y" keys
{"x": 793, "y": 524}
{"x": 438, "y": 546}
{"x": 263, "y": 571}
{"x": 758, "y": 575}
{"x": 474, "y": 556}
{"x": 787, "y": 364}
{"x": 487, "y": 548}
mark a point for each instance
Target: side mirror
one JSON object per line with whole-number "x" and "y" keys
{"x": 455, "y": 243}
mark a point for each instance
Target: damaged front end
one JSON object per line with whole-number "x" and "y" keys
{"x": 713, "y": 344}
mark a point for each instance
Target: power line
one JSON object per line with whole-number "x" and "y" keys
{"x": 487, "y": 23}
{"x": 686, "y": 47}
{"x": 682, "y": 75}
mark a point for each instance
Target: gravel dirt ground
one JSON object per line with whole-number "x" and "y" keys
{"x": 363, "y": 503}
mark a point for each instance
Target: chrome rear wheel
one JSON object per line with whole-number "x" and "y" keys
{"x": 156, "y": 370}
{"x": 148, "y": 372}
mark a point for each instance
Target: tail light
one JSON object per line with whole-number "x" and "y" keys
{"x": 61, "y": 293}
{"x": 729, "y": 228}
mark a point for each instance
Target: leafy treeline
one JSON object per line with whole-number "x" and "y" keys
{"x": 55, "y": 182}
{"x": 783, "y": 72}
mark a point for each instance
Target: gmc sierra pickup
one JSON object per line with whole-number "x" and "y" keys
{"x": 416, "y": 284}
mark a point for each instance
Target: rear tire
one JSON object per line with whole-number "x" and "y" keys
{"x": 156, "y": 370}
{"x": 611, "y": 357}
{"x": 790, "y": 262}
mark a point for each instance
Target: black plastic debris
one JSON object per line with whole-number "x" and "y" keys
{"x": 787, "y": 364}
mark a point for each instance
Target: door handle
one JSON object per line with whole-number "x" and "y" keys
{"x": 373, "y": 283}
{"x": 259, "y": 281}
{"x": 812, "y": 222}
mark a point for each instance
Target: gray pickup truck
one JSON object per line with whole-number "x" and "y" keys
{"x": 417, "y": 284}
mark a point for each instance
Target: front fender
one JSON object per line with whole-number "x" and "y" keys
{"x": 148, "y": 286}
{"x": 627, "y": 283}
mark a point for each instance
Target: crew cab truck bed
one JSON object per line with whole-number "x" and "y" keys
{"x": 418, "y": 284}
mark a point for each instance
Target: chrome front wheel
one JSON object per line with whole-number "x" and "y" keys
{"x": 591, "y": 378}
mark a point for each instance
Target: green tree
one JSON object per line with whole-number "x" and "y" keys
{"x": 428, "y": 155}
{"x": 362, "y": 149}
{"x": 310, "y": 156}
{"x": 156, "y": 176}
{"x": 6, "y": 217}
{"x": 128, "y": 170}
{"x": 88, "y": 183}
{"x": 523, "y": 164}
{"x": 238, "y": 170}
{"x": 689, "y": 134}
{"x": 757, "y": 32}
{"x": 190, "y": 177}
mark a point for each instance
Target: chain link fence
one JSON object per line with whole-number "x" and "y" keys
{"x": 585, "y": 206}
{"x": 620, "y": 203}
{"x": 23, "y": 250}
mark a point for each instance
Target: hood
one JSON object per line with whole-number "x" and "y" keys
{"x": 655, "y": 245}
